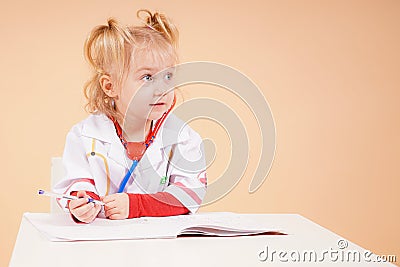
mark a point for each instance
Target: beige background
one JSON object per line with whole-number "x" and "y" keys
{"x": 329, "y": 69}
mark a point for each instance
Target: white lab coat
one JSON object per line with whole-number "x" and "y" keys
{"x": 95, "y": 160}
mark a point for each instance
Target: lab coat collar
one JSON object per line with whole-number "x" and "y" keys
{"x": 170, "y": 131}
{"x": 100, "y": 127}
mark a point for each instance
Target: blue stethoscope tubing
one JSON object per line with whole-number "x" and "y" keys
{"x": 135, "y": 162}
{"x": 127, "y": 176}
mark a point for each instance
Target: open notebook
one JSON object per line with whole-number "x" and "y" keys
{"x": 60, "y": 227}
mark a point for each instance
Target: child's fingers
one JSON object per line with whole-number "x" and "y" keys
{"x": 116, "y": 213}
{"x": 83, "y": 199}
{"x": 89, "y": 216}
{"x": 111, "y": 208}
{"x": 110, "y": 211}
{"x": 109, "y": 198}
{"x": 116, "y": 216}
{"x": 116, "y": 206}
{"x": 82, "y": 194}
{"x": 114, "y": 197}
{"x": 73, "y": 204}
{"x": 82, "y": 210}
{"x": 86, "y": 217}
{"x": 98, "y": 209}
{"x": 110, "y": 205}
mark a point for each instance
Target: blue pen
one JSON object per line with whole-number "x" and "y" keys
{"x": 51, "y": 194}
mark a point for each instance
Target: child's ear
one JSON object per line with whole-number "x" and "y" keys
{"x": 107, "y": 85}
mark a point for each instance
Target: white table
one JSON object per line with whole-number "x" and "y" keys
{"x": 304, "y": 238}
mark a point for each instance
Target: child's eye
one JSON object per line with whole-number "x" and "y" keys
{"x": 147, "y": 78}
{"x": 168, "y": 76}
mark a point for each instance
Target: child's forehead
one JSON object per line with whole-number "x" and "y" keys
{"x": 150, "y": 60}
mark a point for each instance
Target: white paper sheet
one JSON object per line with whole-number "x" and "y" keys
{"x": 60, "y": 227}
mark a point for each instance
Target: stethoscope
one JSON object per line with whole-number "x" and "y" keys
{"x": 135, "y": 150}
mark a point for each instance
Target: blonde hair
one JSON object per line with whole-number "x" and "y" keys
{"x": 108, "y": 50}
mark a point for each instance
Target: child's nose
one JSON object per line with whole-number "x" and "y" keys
{"x": 158, "y": 90}
{"x": 162, "y": 85}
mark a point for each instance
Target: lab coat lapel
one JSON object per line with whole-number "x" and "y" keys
{"x": 169, "y": 134}
{"x": 117, "y": 153}
{"x": 100, "y": 127}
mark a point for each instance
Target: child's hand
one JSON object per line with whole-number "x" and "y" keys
{"x": 116, "y": 206}
{"x": 82, "y": 210}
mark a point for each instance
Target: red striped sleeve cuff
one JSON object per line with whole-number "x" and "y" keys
{"x": 155, "y": 205}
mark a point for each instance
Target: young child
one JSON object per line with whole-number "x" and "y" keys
{"x": 132, "y": 152}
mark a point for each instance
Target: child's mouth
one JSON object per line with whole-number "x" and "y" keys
{"x": 157, "y": 104}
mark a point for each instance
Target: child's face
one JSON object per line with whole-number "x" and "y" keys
{"x": 147, "y": 91}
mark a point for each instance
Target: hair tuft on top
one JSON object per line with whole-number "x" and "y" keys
{"x": 159, "y": 22}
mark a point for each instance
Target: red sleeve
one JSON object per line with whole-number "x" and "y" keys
{"x": 90, "y": 194}
{"x": 155, "y": 205}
